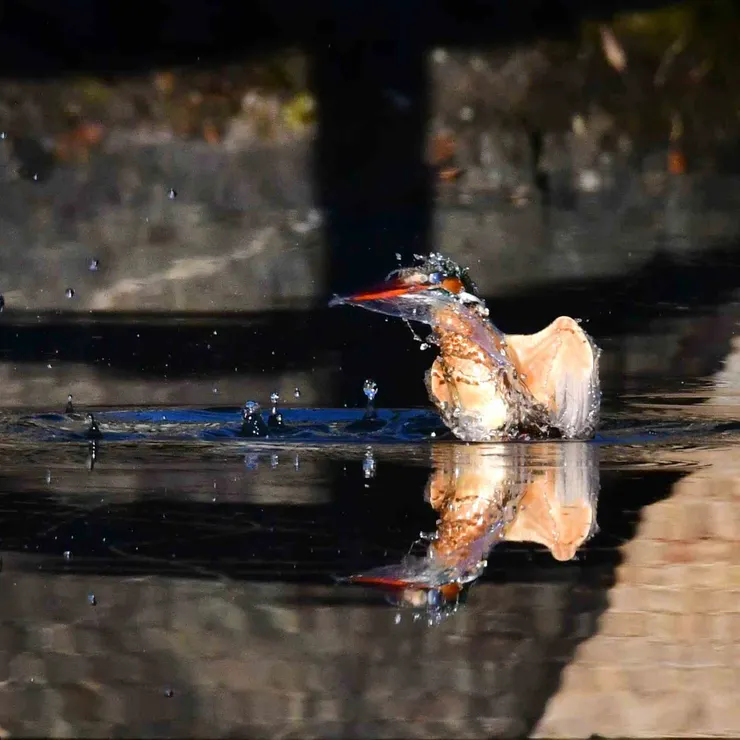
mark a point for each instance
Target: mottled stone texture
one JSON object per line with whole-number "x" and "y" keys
{"x": 242, "y": 231}
{"x": 170, "y": 657}
{"x": 666, "y": 659}
{"x": 232, "y": 239}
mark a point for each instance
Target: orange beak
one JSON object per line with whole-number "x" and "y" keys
{"x": 398, "y": 286}
{"x": 449, "y": 591}
{"x": 389, "y": 289}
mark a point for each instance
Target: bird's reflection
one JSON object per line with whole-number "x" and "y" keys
{"x": 486, "y": 494}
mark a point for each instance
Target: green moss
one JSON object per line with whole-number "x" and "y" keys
{"x": 709, "y": 24}
{"x": 299, "y": 112}
{"x": 93, "y": 91}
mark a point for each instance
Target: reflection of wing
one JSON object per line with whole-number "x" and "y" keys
{"x": 558, "y": 507}
{"x": 560, "y": 367}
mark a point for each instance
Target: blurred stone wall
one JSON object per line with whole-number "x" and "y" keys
{"x": 47, "y": 386}
{"x": 666, "y": 659}
{"x": 243, "y": 232}
{"x": 636, "y": 155}
{"x": 171, "y": 657}
{"x": 176, "y": 226}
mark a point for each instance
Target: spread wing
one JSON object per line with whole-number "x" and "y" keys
{"x": 560, "y": 366}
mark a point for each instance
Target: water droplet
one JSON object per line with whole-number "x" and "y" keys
{"x": 370, "y": 389}
{"x": 250, "y": 408}
{"x": 92, "y": 600}
{"x": 274, "y": 460}
{"x": 93, "y": 430}
{"x": 169, "y": 693}
{"x": 67, "y": 555}
{"x": 368, "y": 464}
{"x": 398, "y": 256}
{"x": 93, "y": 265}
{"x": 439, "y": 56}
{"x": 274, "y": 398}
{"x": 2, "y": 303}
{"x": 275, "y": 421}
{"x": 251, "y": 460}
{"x": 172, "y": 194}
{"x": 48, "y": 477}
{"x": 423, "y": 346}
{"x": 92, "y": 456}
{"x": 3, "y": 135}
{"x": 69, "y": 293}
{"x": 397, "y": 618}
{"x": 215, "y": 390}
{"x": 69, "y": 409}
{"x": 252, "y": 424}
{"x": 35, "y": 176}
{"x": 297, "y": 393}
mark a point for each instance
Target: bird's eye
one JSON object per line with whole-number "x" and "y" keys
{"x": 435, "y": 278}
{"x": 435, "y": 598}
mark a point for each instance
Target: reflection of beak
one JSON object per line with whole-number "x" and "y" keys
{"x": 411, "y": 592}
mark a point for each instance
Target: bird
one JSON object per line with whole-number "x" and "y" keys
{"x": 486, "y": 385}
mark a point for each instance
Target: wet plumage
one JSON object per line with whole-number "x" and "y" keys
{"x": 486, "y": 385}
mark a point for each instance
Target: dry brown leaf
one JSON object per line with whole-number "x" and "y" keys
{"x": 613, "y": 50}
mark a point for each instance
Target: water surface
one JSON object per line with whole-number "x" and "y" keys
{"x": 175, "y": 578}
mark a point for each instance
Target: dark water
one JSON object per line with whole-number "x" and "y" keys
{"x": 173, "y": 578}
{"x": 169, "y": 576}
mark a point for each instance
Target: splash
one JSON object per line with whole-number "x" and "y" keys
{"x": 370, "y": 389}
{"x": 275, "y": 422}
{"x": 252, "y": 423}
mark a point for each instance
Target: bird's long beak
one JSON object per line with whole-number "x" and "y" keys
{"x": 395, "y": 288}
{"x": 387, "y": 290}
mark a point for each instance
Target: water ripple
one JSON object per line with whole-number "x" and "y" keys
{"x": 314, "y": 426}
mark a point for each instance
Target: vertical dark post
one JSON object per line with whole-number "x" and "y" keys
{"x": 371, "y": 83}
